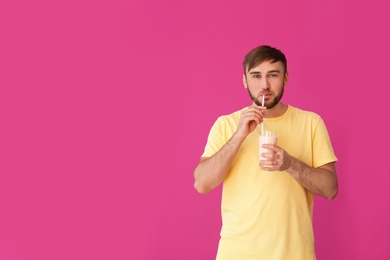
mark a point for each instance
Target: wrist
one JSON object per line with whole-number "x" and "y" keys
{"x": 238, "y": 137}
{"x": 294, "y": 167}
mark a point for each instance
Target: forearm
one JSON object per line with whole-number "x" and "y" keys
{"x": 320, "y": 181}
{"x": 210, "y": 172}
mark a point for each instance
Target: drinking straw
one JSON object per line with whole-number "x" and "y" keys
{"x": 262, "y": 124}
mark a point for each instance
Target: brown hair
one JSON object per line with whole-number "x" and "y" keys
{"x": 263, "y": 53}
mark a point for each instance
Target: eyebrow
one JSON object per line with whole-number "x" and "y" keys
{"x": 258, "y": 72}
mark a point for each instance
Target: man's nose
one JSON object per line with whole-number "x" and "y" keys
{"x": 264, "y": 84}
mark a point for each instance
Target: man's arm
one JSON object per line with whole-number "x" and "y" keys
{"x": 320, "y": 181}
{"x": 211, "y": 171}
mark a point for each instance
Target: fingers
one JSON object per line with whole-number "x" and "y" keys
{"x": 269, "y": 165}
{"x": 272, "y": 156}
{"x": 276, "y": 160}
{"x": 249, "y": 119}
{"x": 253, "y": 113}
{"x": 260, "y": 108}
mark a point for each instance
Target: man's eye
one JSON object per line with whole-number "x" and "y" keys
{"x": 273, "y": 75}
{"x": 256, "y": 76}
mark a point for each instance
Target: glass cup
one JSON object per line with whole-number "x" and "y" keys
{"x": 267, "y": 137}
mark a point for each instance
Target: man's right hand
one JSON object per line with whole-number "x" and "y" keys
{"x": 249, "y": 119}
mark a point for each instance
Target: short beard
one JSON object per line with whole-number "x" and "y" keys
{"x": 269, "y": 106}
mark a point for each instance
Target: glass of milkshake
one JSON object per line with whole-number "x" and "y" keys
{"x": 267, "y": 137}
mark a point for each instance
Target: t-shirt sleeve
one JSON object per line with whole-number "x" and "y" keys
{"x": 216, "y": 138}
{"x": 322, "y": 147}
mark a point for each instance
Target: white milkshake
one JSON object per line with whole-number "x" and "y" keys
{"x": 267, "y": 137}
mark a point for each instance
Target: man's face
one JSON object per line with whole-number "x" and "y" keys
{"x": 266, "y": 79}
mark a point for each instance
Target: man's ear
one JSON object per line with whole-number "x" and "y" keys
{"x": 286, "y": 78}
{"x": 244, "y": 81}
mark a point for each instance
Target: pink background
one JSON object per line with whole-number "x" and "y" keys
{"x": 105, "y": 107}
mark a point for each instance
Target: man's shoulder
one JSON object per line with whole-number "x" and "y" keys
{"x": 230, "y": 119}
{"x": 231, "y": 116}
{"x": 303, "y": 113}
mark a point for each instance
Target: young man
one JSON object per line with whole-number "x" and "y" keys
{"x": 267, "y": 205}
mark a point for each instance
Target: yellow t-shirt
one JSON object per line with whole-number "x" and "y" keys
{"x": 268, "y": 215}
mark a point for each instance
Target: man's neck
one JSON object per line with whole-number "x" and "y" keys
{"x": 276, "y": 111}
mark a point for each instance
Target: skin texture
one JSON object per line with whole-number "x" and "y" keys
{"x": 268, "y": 79}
